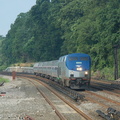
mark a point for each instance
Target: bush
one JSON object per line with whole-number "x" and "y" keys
{"x": 3, "y": 67}
{"x": 3, "y": 80}
{"x": 105, "y": 74}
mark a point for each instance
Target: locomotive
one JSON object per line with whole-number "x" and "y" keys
{"x": 72, "y": 70}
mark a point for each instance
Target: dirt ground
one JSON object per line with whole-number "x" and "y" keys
{"x": 20, "y": 98}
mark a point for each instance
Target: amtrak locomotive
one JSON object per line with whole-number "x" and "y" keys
{"x": 72, "y": 70}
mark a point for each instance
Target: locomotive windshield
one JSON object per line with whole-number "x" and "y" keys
{"x": 84, "y": 58}
{"x": 73, "y": 58}
{"x": 81, "y": 58}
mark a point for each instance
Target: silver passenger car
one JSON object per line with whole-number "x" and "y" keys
{"x": 46, "y": 69}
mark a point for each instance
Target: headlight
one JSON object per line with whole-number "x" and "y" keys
{"x": 79, "y": 68}
{"x": 86, "y": 72}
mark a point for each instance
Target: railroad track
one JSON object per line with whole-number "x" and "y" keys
{"x": 48, "y": 95}
{"x": 103, "y": 97}
{"x": 107, "y": 84}
{"x": 97, "y": 99}
{"x": 98, "y": 102}
{"x": 96, "y": 87}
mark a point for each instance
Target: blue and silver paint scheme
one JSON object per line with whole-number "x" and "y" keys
{"x": 75, "y": 70}
{"x": 72, "y": 70}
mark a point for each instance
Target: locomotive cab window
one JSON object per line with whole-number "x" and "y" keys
{"x": 73, "y": 58}
{"x": 84, "y": 58}
{"x": 64, "y": 59}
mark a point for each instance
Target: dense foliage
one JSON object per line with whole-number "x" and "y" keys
{"x": 1, "y": 54}
{"x": 59, "y": 27}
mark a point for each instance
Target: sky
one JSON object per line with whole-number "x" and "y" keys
{"x": 9, "y": 9}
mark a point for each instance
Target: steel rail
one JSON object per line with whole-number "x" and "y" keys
{"x": 112, "y": 101}
{"x": 71, "y": 105}
{"x": 104, "y": 90}
{"x": 51, "y": 104}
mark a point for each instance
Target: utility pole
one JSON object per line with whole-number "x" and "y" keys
{"x": 116, "y": 61}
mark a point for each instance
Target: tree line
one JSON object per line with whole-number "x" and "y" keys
{"x": 58, "y": 27}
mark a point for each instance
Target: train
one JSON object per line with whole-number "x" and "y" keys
{"x": 72, "y": 70}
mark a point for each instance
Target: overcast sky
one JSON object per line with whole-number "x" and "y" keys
{"x": 9, "y": 9}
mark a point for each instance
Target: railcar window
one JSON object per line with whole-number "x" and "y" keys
{"x": 84, "y": 58}
{"x": 56, "y": 68}
{"x": 73, "y": 58}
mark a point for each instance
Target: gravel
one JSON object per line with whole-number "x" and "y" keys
{"x": 21, "y": 99}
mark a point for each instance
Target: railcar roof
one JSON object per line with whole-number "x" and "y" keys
{"x": 74, "y": 54}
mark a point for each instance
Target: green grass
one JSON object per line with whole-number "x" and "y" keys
{"x": 3, "y": 79}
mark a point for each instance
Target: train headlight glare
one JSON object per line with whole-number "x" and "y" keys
{"x": 86, "y": 72}
{"x": 79, "y": 68}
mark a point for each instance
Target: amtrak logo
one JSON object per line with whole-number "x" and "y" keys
{"x": 78, "y": 62}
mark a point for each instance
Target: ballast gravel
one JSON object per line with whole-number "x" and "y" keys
{"x": 21, "y": 99}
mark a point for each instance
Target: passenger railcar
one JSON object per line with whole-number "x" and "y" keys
{"x": 20, "y": 69}
{"x": 72, "y": 70}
